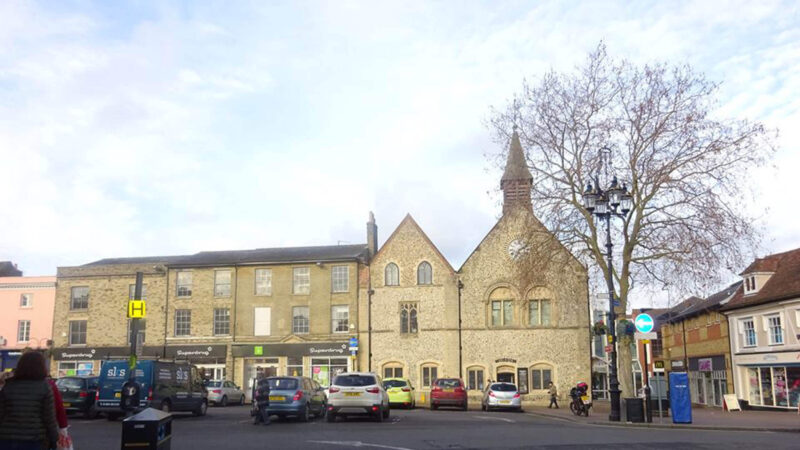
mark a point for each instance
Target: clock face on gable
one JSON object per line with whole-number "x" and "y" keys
{"x": 517, "y": 248}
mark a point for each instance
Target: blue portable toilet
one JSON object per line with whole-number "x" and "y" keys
{"x": 680, "y": 398}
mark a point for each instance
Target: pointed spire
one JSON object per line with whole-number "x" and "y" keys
{"x": 516, "y": 167}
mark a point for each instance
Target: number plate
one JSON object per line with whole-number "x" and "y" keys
{"x": 585, "y": 398}
{"x": 117, "y": 394}
{"x": 449, "y": 390}
{"x": 352, "y": 394}
{"x": 504, "y": 402}
{"x": 276, "y": 398}
{"x": 67, "y": 405}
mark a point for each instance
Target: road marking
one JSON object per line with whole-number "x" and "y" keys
{"x": 359, "y": 444}
{"x": 395, "y": 420}
{"x": 496, "y": 418}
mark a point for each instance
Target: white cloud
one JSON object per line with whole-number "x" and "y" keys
{"x": 142, "y": 129}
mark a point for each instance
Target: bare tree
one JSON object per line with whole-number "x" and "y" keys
{"x": 685, "y": 168}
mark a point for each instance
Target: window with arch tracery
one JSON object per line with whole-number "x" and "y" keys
{"x": 408, "y": 318}
{"x": 391, "y": 275}
{"x": 424, "y": 273}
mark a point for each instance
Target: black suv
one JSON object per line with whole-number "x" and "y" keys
{"x": 78, "y": 395}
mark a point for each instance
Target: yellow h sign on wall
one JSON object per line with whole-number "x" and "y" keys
{"x": 136, "y": 309}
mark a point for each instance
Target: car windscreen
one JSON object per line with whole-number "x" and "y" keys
{"x": 282, "y": 384}
{"x": 448, "y": 383}
{"x": 394, "y": 383}
{"x": 213, "y": 383}
{"x": 70, "y": 383}
{"x": 354, "y": 380}
{"x": 503, "y": 387}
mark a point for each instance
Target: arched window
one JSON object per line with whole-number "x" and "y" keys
{"x": 391, "y": 275}
{"x": 475, "y": 378}
{"x": 430, "y": 372}
{"x": 408, "y": 318}
{"x": 393, "y": 370}
{"x": 541, "y": 376}
{"x": 501, "y": 304}
{"x": 424, "y": 273}
{"x": 539, "y": 303}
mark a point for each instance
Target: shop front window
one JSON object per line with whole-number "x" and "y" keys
{"x": 793, "y": 385}
{"x": 766, "y": 386}
{"x": 754, "y": 386}
{"x": 75, "y": 368}
{"x": 324, "y": 369}
{"x": 779, "y": 386}
{"x": 294, "y": 366}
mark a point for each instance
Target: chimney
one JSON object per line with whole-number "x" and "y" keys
{"x": 372, "y": 236}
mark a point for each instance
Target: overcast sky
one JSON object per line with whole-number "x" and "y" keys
{"x": 139, "y": 128}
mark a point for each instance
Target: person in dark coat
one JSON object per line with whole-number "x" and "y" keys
{"x": 262, "y": 401}
{"x": 27, "y": 407}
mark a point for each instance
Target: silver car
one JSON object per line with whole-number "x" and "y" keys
{"x": 223, "y": 393}
{"x": 357, "y": 393}
{"x": 501, "y": 395}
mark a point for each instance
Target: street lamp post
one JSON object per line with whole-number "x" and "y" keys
{"x": 613, "y": 202}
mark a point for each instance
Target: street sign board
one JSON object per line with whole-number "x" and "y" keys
{"x": 136, "y": 309}
{"x": 353, "y": 344}
{"x": 643, "y": 336}
{"x": 644, "y": 323}
{"x": 609, "y": 348}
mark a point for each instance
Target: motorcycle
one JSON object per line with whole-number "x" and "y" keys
{"x": 581, "y": 401}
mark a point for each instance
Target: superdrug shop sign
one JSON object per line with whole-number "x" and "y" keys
{"x": 88, "y": 353}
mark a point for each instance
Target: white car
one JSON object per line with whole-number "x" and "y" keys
{"x": 501, "y": 395}
{"x": 223, "y": 393}
{"x": 357, "y": 393}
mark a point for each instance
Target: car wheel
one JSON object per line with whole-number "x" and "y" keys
{"x": 90, "y": 412}
{"x": 379, "y": 415}
{"x": 465, "y": 406}
{"x": 224, "y": 401}
{"x": 434, "y": 406}
{"x": 483, "y": 407}
{"x": 386, "y": 413}
{"x": 201, "y": 410}
{"x": 112, "y": 416}
{"x": 323, "y": 411}
{"x": 241, "y": 401}
{"x": 304, "y": 416}
{"x": 331, "y": 417}
{"x": 166, "y": 407}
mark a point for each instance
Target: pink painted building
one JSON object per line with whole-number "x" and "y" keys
{"x": 26, "y": 315}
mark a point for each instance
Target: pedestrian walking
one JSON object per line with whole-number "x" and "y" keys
{"x": 27, "y": 407}
{"x": 553, "y": 395}
{"x": 262, "y": 401}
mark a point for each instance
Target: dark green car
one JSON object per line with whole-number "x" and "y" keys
{"x": 78, "y": 395}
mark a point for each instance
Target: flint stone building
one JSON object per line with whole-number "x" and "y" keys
{"x": 508, "y": 314}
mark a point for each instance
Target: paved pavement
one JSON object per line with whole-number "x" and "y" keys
{"x": 702, "y": 418}
{"x": 422, "y": 429}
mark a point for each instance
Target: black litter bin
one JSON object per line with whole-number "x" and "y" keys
{"x": 634, "y": 408}
{"x": 150, "y": 429}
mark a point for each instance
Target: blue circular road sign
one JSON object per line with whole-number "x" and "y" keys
{"x": 644, "y": 323}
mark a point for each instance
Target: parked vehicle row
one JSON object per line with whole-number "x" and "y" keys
{"x": 175, "y": 386}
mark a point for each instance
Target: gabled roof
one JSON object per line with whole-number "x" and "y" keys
{"x": 699, "y": 306}
{"x": 411, "y": 222}
{"x": 783, "y": 284}
{"x": 323, "y": 253}
{"x": 135, "y": 260}
{"x": 326, "y": 253}
{"x": 8, "y": 269}
{"x": 516, "y": 166}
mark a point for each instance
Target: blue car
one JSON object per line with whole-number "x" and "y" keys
{"x": 299, "y": 397}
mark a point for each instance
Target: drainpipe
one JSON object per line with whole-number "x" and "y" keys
{"x": 233, "y": 335}
{"x": 166, "y": 313}
{"x": 460, "y": 348}
{"x": 370, "y": 292}
{"x": 685, "y": 356}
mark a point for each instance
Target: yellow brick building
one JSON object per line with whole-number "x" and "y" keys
{"x": 695, "y": 339}
{"x": 235, "y": 314}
